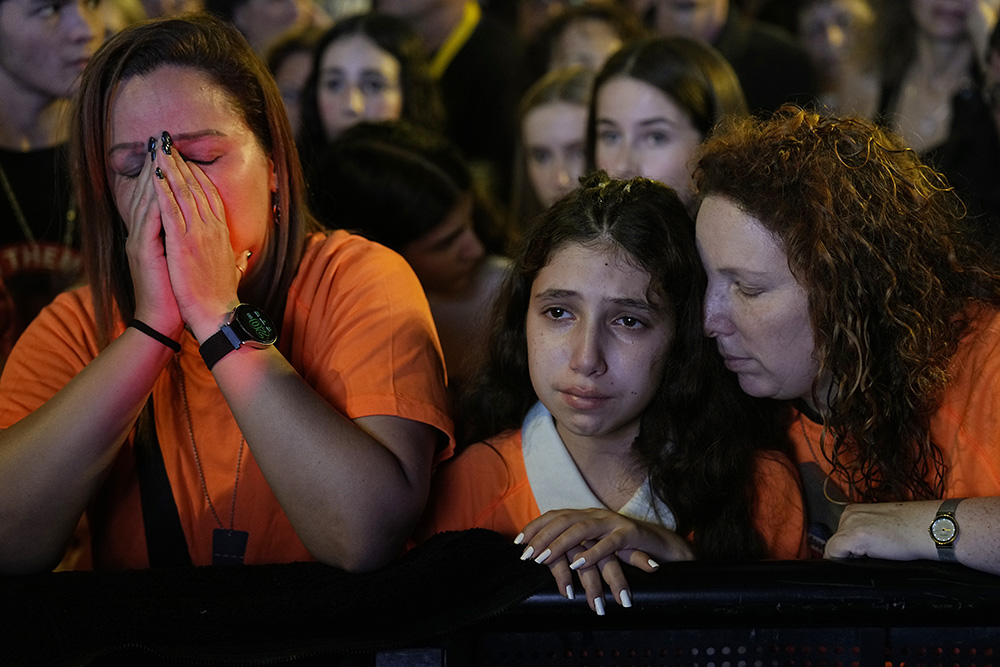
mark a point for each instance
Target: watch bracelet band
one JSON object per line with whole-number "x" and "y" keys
{"x": 216, "y": 347}
{"x": 949, "y": 506}
{"x": 946, "y": 552}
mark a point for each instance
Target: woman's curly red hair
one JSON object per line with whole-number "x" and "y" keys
{"x": 876, "y": 238}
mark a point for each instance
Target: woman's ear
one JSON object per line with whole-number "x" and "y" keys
{"x": 274, "y": 175}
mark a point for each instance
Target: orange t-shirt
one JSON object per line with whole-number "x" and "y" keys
{"x": 966, "y": 424}
{"x": 488, "y": 486}
{"x": 356, "y": 327}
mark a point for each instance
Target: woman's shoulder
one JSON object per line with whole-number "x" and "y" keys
{"x": 71, "y": 311}
{"x": 341, "y": 246}
{"x": 981, "y": 343}
{"x": 345, "y": 257}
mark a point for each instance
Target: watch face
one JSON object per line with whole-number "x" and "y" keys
{"x": 944, "y": 530}
{"x": 256, "y": 324}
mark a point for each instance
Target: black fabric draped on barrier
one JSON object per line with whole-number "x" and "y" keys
{"x": 467, "y": 599}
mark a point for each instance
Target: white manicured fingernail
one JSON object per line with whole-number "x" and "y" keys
{"x": 625, "y": 598}
{"x": 653, "y": 563}
{"x": 578, "y": 563}
{"x": 570, "y": 593}
{"x": 519, "y": 538}
{"x": 542, "y": 556}
{"x": 599, "y": 606}
{"x": 527, "y": 552}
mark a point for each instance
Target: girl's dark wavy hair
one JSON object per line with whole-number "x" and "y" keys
{"x": 714, "y": 430}
{"x": 422, "y": 103}
{"x": 877, "y": 240}
{"x": 217, "y": 50}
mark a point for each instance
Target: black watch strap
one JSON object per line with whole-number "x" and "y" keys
{"x": 246, "y": 324}
{"x": 218, "y": 345}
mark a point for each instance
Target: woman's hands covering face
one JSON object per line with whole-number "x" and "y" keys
{"x": 188, "y": 273}
{"x": 154, "y": 297}
{"x": 203, "y": 269}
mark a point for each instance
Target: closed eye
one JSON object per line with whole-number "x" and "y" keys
{"x": 200, "y": 163}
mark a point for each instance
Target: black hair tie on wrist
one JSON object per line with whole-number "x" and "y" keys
{"x": 155, "y": 335}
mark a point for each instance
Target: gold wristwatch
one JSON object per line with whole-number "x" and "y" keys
{"x": 944, "y": 530}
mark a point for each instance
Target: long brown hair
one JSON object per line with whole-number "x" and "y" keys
{"x": 219, "y": 51}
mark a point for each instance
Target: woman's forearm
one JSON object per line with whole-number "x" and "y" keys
{"x": 53, "y": 460}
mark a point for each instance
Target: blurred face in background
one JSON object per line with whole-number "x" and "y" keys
{"x": 446, "y": 258}
{"x": 45, "y": 45}
{"x": 830, "y": 31}
{"x": 698, "y": 19}
{"x": 358, "y": 80}
{"x": 261, "y": 21}
{"x": 588, "y": 42}
{"x": 643, "y": 132}
{"x": 943, "y": 19}
{"x": 291, "y": 77}
{"x": 553, "y": 135}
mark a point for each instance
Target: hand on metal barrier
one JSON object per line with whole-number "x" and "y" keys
{"x": 593, "y": 543}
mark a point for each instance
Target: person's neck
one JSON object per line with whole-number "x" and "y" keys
{"x": 606, "y": 463}
{"x": 942, "y": 61}
{"x": 439, "y": 22}
{"x": 29, "y": 121}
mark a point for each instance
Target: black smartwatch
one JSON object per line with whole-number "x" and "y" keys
{"x": 246, "y": 325}
{"x": 944, "y": 530}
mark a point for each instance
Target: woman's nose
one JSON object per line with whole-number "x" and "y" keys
{"x": 355, "y": 101}
{"x": 588, "y": 353}
{"x": 716, "y": 317}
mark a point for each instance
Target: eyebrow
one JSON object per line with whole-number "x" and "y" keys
{"x": 627, "y": 302}
{"x": 367, "y": 71}
{"x": 739, "y": 272}
{"x": 186, "y": 136}
{"x": 647, "y": 122}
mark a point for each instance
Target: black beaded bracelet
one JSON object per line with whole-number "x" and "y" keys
{"x": 155, "y": 335}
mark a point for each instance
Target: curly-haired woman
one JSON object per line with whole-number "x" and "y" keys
{"x": 840, "y": 278}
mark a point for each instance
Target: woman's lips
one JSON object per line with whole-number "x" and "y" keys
{"x": 735, "y": 363}
{"x": 584, "y": 399}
